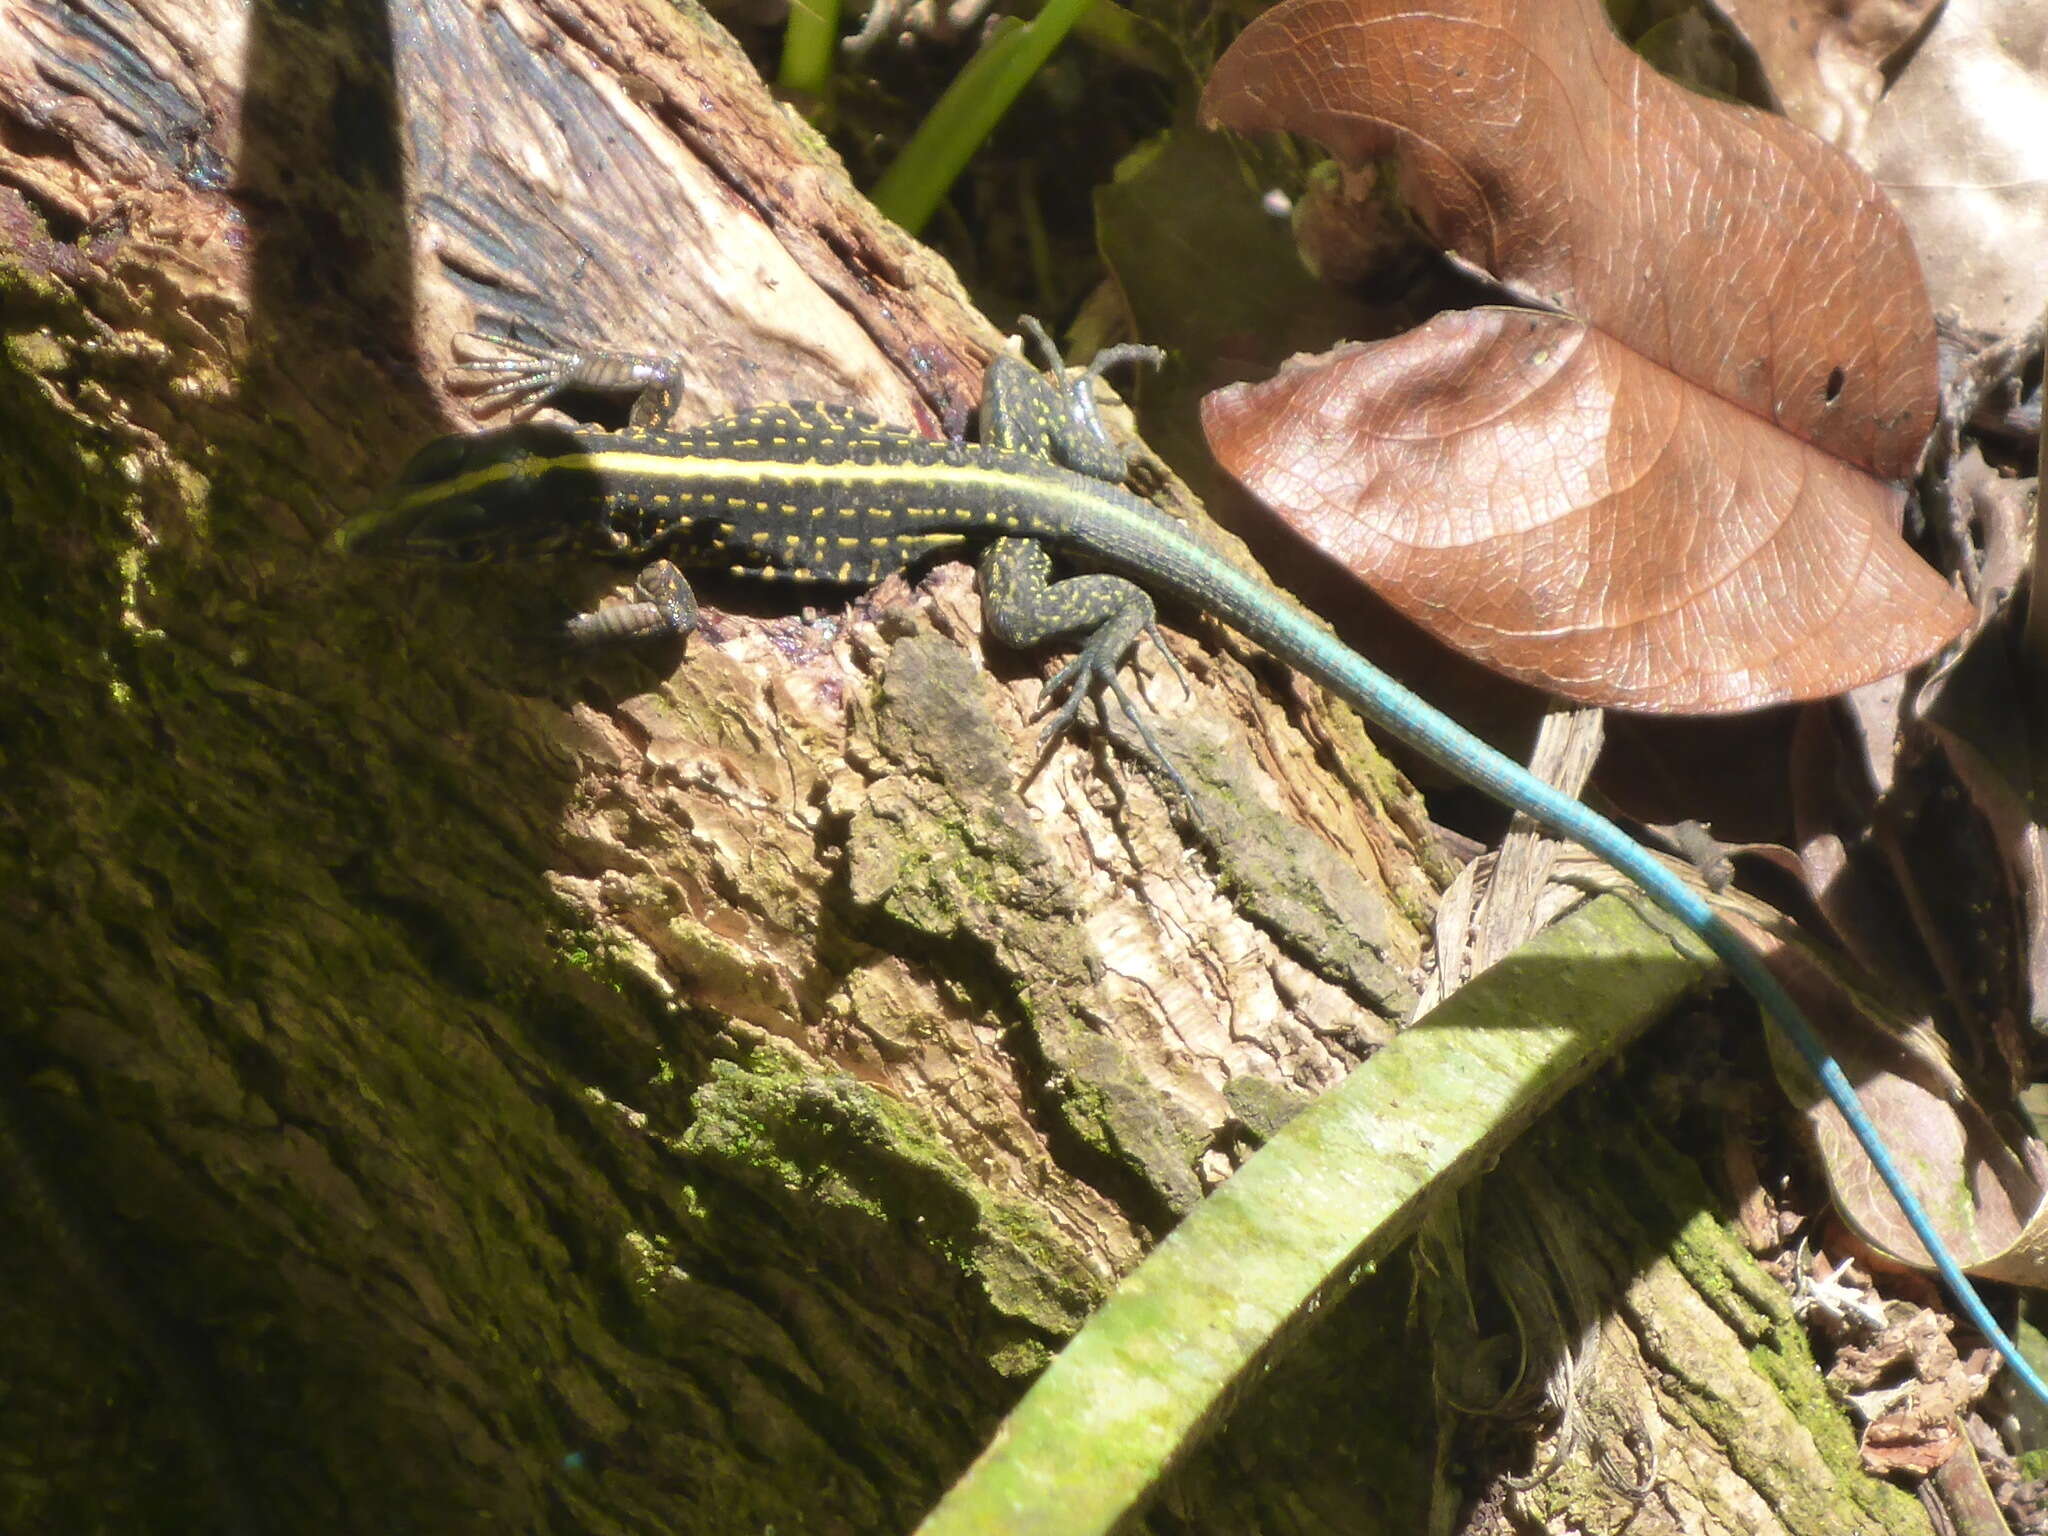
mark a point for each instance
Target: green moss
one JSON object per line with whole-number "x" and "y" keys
{"x": 775, "y": 1123}
{"x": 1022, "y": 1360}
{"x": 651, "y": 1262}
{"x": 1263, "y": 1106}
{"x": 598, "y": 954}
{"x": 1723, "y": 1273}
{"x": 36, "y": 352}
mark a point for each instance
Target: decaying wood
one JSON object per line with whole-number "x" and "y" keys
{"x": 646, "y": 1091}
{"x": 455, "y": 1082}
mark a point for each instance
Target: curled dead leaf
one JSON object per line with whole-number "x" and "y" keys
{"x": 1672, "y": 497}
{"x": 1984, "y": 1184}
{"x": 1825, "y": 60}
{"x": 1985, "y": 1188}
{"x": 1960, "y": 142}
{"x": 1556, "y": 505}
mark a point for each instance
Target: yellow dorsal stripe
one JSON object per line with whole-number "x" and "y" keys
{"x": 660, "y": 466}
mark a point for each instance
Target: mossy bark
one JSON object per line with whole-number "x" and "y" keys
{"x": 454, "y": 1081}
{"x": 451, "y": 1082}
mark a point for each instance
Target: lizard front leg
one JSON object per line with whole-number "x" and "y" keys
{"x": 1023, "y": 606}
{"x": 1053, "y": 415}
{"x": 523, "y": 376}
{"x": 667, "y": 606}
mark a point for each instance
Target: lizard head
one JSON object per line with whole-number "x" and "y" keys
{"x": 516, "y": 493}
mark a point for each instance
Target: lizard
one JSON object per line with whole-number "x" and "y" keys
{"x": 819, "y": 492}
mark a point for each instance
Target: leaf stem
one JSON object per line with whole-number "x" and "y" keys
{"x": 810, "y": 44}
{"x": 974, "y": 103}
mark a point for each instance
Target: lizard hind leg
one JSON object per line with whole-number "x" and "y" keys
{"x": 1023, "y": 606}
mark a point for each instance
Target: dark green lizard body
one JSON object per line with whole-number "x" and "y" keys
{"x": 797, "y": 492}
{"x": 824, "y": 493}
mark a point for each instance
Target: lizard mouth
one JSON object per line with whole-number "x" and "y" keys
{"x": 460, "y": 532}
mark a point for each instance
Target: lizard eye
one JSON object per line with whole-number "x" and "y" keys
{"x": 439, "y": 460}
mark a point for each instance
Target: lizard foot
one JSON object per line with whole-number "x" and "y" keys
{"x": 1095, "y": 670}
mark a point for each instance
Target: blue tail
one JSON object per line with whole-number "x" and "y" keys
{"x": 1280, "y": 628}
{"x": 1563, "y": 814}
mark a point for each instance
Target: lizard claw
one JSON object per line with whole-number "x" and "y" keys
{"x": 1187, "y": 689}
{"x": 1085, "y": 674}
{"x": 520, "y": 378}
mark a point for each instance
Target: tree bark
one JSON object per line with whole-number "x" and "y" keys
{"x": 452, "y": 1082}
{"x": 461, "y": 1080}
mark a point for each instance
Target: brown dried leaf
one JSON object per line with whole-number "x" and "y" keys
{"x": 1988, "y": 1197}
{"x": 1824, "y": 59}
{"x": 1916, "y": 1431}
{"x": 1673, "y": 501}
{"x": 1986, "y": 1192}
{"x": 1544, "y": 499}
{"x": 1961, "y": 144}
